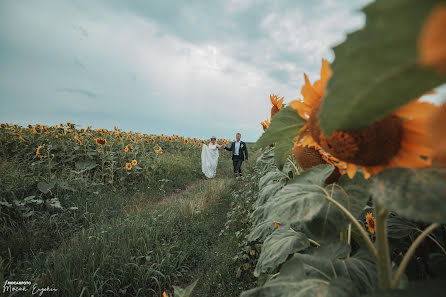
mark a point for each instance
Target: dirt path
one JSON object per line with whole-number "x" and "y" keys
{"x": 143, "y": 203}
{"x": 175, "y": 195}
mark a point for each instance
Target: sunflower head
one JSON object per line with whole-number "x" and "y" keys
{"x": 396, "y": 140}
{"x": 128, "y": 166}
{"x": 277, "y": 104}
{"x": 134, "y": 162}
{"x": 370, "y": 222}
{"x": 158, "y": 150}
{"x": 101, "y": 141}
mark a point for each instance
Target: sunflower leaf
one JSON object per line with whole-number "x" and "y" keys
{"x": 303, "y": 201}
{"x": 375, "y": 70}
{"x": 278, "y": 246}
{"x": 284, "y": 125}
{"x": 282, "y": 150}
{"x": 292, "y": 281}
{"x": 414, "y": 194}
{"x": 330, "y": 261}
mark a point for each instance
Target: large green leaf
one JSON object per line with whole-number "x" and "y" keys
{"x": 269, "y": 184}
{"x": 282, "y": 150}
{"x": 353, "y": 194}
{"x": 330, "y": 261}
{"x": 292, "y": 282}
{"x": 285, "y": 124}
{"x": 303, "y": 201}
{"x": 398, "y": 227}
{"x": 415, "y": 194}
{"x": 261, "y": 231}
{"x": 375, "y": 70}
{"x": 278, "y": 246}
{"x": 266, "y": 160}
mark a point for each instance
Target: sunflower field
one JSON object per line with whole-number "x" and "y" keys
{"x": 57, "y": 160}
{"x": 352, "y": 191}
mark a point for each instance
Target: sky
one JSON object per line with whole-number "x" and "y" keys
{"x": 191, "y": 68}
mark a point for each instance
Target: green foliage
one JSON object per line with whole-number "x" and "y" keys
{"x": 332, "y": 260}
{"x": 293, "y": 282}
{"x": 277, "y": 247}
{"x": 282, "y": 150}
{"x": 376, "y": 69}
{"x": 415, "y": 194}
{"x": 284, "y": 125}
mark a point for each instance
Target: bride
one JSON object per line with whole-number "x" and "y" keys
{"x": 209, "y": 158}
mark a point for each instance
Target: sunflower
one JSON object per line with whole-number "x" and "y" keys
{"x": 265, "y": 124}
{"x": 38, "y": 154}
{"x": 77, "y": 139}
{"x": 134, "y": 162}
{"x": 159, "y": 150}
{"x": 36, "y": 130}
{"x": 370, "y": 222}
{"x": 38, "y": 149}
{"x": 186, "y": 141}
{"x": 276, "y": 224}
{"x": 101, "y": 141}
{"x": 128, "y": 148}
{"x": 128, "y": 166}
{"x": 431, "y": 42}
{"x": 397, "y": 140}
{"x": 277, "y": 104}
{"x": 165, "y": 294}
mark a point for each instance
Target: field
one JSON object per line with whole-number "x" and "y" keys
{"x": 75, "y": 218}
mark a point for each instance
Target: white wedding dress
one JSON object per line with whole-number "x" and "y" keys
{"x": 209, "y": 160}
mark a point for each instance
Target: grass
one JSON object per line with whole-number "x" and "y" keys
{"x": 125, "y": 242}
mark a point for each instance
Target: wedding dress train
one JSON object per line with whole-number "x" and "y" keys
{"x": 209, "y": 160}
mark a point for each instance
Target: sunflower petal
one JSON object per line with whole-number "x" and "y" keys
{"x": 302, "y": 108}
{"x": 311, "y": 97}
{"x": 351, "y": 170}
{"x": 416, "y": 110}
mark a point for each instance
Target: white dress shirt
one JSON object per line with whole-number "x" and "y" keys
{"x": 237, "y": 148}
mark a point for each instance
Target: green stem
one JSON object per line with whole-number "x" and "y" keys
{"x": 383, "y": 264}
{"x": 410, "y": 252}
{"x": 355, "y": 222}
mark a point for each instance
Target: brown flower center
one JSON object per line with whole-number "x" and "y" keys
{"x": 309, "y": 157}
{"x": 372, "y": 146}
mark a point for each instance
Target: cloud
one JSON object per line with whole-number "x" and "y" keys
{"x": 196, "y": 68}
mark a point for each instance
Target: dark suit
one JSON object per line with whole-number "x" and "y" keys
{"x": 237, "y": 160}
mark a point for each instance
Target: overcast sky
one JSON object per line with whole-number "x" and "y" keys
{"x": 193, "y": 68}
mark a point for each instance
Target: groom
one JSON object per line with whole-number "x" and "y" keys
{"x": 239, "y": 154}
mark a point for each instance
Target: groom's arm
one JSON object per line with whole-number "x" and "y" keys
{"x": 246, "y": 152}
{"x": 228, "y": 149}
